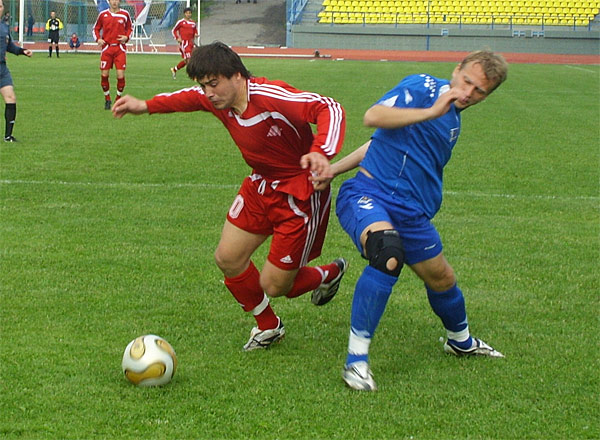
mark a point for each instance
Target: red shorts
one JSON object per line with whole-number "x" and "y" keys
{"x": 113, "y": 55}
{"x": 185, "y": 48}
{"x": 298, "y": 227}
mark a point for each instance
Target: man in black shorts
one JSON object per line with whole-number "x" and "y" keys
{"x": 53, "y": 26}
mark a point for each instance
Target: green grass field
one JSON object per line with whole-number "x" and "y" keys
{"x": 107, "y": 232}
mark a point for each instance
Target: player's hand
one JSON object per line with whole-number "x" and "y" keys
{"x": 123, "y": 38}
{"x": 320, "y": 182}
{"x": 318, "y": 164}
{"x": 129, "y": 104}
{"x": 27, "y": 52}
{"x": 442, "y": 105}
{"x": 101, "y": 42}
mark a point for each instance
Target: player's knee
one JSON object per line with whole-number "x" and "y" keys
{"x": 274, "y": 289}
{"x": 385, "y": 251}
{"x": 225, "y": 264}
{"x": 441, "y": 280}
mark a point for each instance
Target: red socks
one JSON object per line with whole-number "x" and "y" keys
{"x": 105, "y": 86}
{"x": 120, "y": 85}
{"x": 309, "y": 278}
{"x": 246, "y": 289}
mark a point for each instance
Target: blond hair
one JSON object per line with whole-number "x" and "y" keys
{"x": 494, "y": 66}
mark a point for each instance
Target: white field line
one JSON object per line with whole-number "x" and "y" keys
{"x": 570, "y": 66}
{"x": 231, "y": 186}
{"x": 118, "y": 184}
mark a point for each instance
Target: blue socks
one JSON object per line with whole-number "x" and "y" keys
{"x": 450, "y": 307}
{"x": 371, "y": 295}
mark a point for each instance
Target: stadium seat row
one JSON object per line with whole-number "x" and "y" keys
{"x": 549, "y": 12}
{"x": 475, "y": 3}
{"x": 368, "y": 18}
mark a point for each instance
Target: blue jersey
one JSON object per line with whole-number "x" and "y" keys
{"x": 408, "y": 162}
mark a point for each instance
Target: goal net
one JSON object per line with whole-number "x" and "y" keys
{"x": 152, "y": 19}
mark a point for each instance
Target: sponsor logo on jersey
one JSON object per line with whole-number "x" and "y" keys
{"x": 274, "y": 131}
{"x": 287, "y": 260}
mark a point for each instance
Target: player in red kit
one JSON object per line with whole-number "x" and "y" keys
{"x": 112, "y": 31}
{"x": 184, "y": 31}
{"x": 270, "y": 121}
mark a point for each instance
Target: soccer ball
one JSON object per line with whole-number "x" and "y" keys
{"x": 149, "y": 361}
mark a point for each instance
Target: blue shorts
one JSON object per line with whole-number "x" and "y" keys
{"x": 5, "y": 78}
{"x": 361, "y": 202}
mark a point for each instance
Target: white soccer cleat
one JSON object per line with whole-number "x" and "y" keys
{"x": 173, "y": 73}
{"x": 263, "y": 339}
{"x": 358, "y": 376}
{"x": 479, "y": 348}
{"x": 326, "y": 291}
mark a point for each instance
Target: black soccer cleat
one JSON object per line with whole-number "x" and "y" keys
{"x": 326, "y": 291}
{"x": 107, "y": 104}
{"x": 10, "y": 139}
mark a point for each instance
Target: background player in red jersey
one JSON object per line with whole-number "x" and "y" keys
{"x": 112, "y": 31}
{"x": 270, "y": 123}
{"x": 184, "y": 31}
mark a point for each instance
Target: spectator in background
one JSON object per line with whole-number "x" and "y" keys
{"x": 74, "y": 42}
{"x": 30, "y": 23}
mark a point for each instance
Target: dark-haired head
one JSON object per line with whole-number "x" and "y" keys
{"x": 216, "y": 59}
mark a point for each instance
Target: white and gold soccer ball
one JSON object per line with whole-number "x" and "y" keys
{"x": 149, "y": 361}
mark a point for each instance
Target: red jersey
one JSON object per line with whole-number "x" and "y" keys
{"x": 112, "y": 24}
{"x": 185, "y": 29}
{"x": 274, "y": 131}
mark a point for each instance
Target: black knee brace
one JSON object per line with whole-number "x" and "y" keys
{"x": 381, "y": 246}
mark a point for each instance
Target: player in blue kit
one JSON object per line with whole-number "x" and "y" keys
{"x": 388, "y": 206}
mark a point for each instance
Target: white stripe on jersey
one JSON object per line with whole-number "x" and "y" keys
{"x": 175, "y": 27}
{"x": 335, "y": 109}
{"x": 262, "y": 117}
{"x": 189, "y": 89}
{"x": 125, "y": 17}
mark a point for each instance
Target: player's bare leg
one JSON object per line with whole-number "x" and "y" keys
{"x": 242, "y": 279}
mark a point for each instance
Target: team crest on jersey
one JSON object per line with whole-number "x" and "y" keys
{"x": 365, "y": 203}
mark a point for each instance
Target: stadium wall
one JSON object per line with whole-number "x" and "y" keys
{"x": 438, "y": 38}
